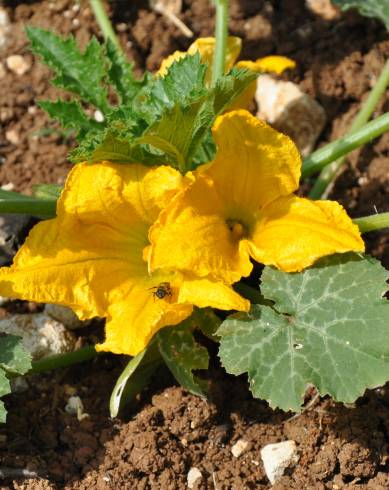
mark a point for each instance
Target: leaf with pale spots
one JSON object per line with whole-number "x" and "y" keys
{"x": 328, "y": 326}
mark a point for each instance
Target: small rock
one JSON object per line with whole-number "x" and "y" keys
{"x": 277, "y": 457}
{"x": 5, "y": 26}
{"x": 8, "y": 187}
{"x": 75, "y": 406}
{"x": 12, "y": 136}
{"x": 193, "y": 475}
{"x": 32, "y": 109}
{"x": 98, "y": 115}
{"x": 291, "y": 111}
{"x": 239, "y": 447}
{"x": 41, "y": 335}
{"x": 17, "y": 64}
{"x": 323, "y": 8}
{"x": 64, "y": 315}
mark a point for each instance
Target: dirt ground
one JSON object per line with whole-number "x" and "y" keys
{"x": 155, "y": 442}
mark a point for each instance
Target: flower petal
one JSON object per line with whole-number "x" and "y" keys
{"x": 192, "y": 235}
{"x": 276, "y": 64}
{"x": 254, "y": 164}
{"x": 206, "y": 292}
{"x": 292, "y": 233}
{"x": 132, "y": 322}
{"x": 95, "y": 244}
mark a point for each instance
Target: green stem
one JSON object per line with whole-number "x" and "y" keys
{"x": 328, "y": 174}
{"x": 322, "y": 157}
{"x": 221, "y": 32}
{"x": 373, "y": 222}
{"x": 63, "y": 360}
{"x": 104, "y": 22}
{"x": 35, "y": 207}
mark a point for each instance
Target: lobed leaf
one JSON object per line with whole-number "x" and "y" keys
{"x": 182, "y": 354}
{"x": 329, "y": 326}
{"x": 80, "y": 73}
{"x": 14, "y": 360}
{"x": 378, "y": 9}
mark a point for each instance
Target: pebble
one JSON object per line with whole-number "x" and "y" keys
{"x": 277, "y": 457}
{"x": 239, "y": 447}
{"x": 194, "y": 474}
{"x": 12, "y": 136}
{"x": 17, "y": 64}
{"x": 74, "y": 406}
{"x": 98, "y": 115}
{"x": 323, "y": 8}
{"x": 10, "y": 186}
{"x": 64, "y": 315}
{"x": 41, "y": 335}
{"x": 291, "y": 111}
{"x": 5, "y": 26}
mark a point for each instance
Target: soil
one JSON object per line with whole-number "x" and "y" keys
{"x": 167, "y": 431}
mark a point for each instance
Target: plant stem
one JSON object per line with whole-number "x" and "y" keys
{"x": 328, "y": 174}
{"x": 104, "y": 22}
{"x": 35, "y": 207}
{"x": 373, "y": 222}
{"x": 63, "y": 360}
{"x": 221, "y": 32}
{"x": 322, "y": 157}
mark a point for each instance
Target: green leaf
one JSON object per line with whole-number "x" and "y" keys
{"x": 47, "y": 191}
{"x": 182, "y": 354}
{"x": 370, "y": 8}
{"x": 14, "y": 360}
{"x": 80, "y": 73}
{"x": 70, "y": 115}
{"x": 134, "y": 377}
{"x": 329, "y": 327}
{"x": 121, "y": 75}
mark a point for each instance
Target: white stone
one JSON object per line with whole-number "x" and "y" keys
{"x": 64, "y": 315}
{"x": 8, "y": 187}
{"x": 277, "y": 457}
{"x": 323, "y": 8}
{"x": 193, "y": 475}
{"x": 239, "y": 448}
{"x": 291, "y": 111}
{"x": 12, "y": 136}
{"x": 98, "y": 115}
{"x": 75, "y": 406}
{"x": 17, "y": 64}
{"x": 41, "y": 335}
{"x": 5, "y": 26}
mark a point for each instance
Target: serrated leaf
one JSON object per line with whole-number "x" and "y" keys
{"x": 121, "y": 75}
{"x": 183, "y": 82}
{"x": 47, "y": 191}
{"x": 14, "y": 360}
{"x": 134, "y": 377}
{"x": 329, "y": 327}
{"x": 80, "y": 73}
{"x": 378, "y": 9}
{"x": 183, "y": 354}
{"x": 70, "y": 115}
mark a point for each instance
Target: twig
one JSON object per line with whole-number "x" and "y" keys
{"x": 7, "y": 472}
{"x": 305, "y": 409}
{"x": 161, "y": 9}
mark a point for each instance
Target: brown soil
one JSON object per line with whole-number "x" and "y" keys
{"x": 168, "y": 431}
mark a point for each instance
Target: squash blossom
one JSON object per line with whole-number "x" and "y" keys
{"x": 205, "y": 46}
{"x": 91, "y": 257}
{"x": 242, "y": 206}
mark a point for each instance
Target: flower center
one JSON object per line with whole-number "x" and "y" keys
{"x": 237, "y": 228}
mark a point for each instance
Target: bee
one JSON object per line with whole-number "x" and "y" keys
{"x": 162, "y": 290}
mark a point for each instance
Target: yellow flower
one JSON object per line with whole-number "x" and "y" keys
{"x": 206, "y": 47}
{"x": 242, "y": 206}
{"x": 90, "y": 257}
